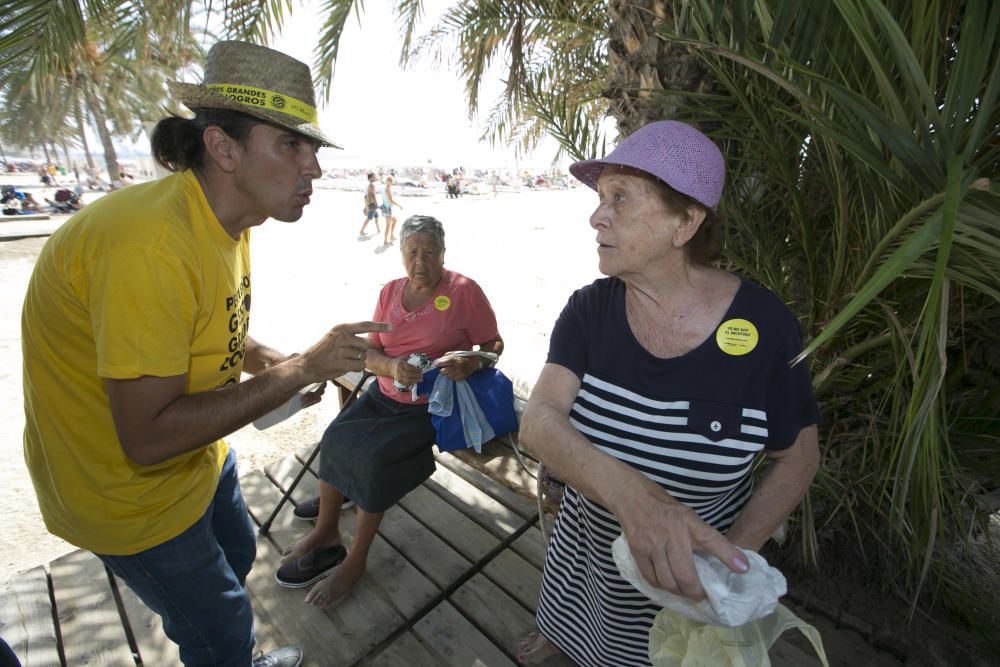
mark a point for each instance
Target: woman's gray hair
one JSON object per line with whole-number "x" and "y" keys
{"x": 422, "y": 224}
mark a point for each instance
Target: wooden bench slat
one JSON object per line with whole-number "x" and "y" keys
{"x": 462, "y": 533}
{"x": 501, "y": 618}
{"x": 516, "y": 576}
{"x": 517, "y": 502}
{"x": 456, "y": 641}
{"x": 391, "y": 590}
{"x": 426, "y": 550}
{"x": 491, "y": 514}
{"x": 91, "y": 628}
{"x": 155, "y": 648}
{"x": 261, "y": 496}
{"x": 283, "y": 473}
{"x": 26, "y": 619}
{"x": 531, "y": 547}
{"x": 404, "y": 650}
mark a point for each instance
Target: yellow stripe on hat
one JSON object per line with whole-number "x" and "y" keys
{"x": 267, "y": 99}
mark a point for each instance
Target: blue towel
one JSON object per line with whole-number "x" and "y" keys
{"x": 471, "y": 412}
{"x": 476, "y": 428}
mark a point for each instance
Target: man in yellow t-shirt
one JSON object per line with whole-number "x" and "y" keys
{"x": 135, "y": 334}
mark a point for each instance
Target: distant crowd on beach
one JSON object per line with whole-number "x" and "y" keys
{"x": 457, "y": 181}
{"x": 46, "y": 187}
{"x": 55, "y": 175}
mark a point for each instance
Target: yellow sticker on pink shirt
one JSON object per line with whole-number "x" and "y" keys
{"x": 442, "y": 303}
{"x": 736, "y": 337}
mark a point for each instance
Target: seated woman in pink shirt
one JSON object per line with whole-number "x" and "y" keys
{"x": 379, "y": 449}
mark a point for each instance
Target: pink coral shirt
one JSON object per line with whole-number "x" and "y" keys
{"x": 457, "y": 317}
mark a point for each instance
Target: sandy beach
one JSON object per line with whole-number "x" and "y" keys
{"x": 528, "y": 250}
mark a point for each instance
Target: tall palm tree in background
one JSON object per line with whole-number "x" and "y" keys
{"x": 105, "y": 61}
{"x": 32, "y": 117}
{"x": 550, "y": 54}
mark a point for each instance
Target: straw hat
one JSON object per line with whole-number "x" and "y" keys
{"x": 676, "y": 153}
{"x": 258, "y": 81}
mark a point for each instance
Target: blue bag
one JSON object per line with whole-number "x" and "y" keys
{"x": 495, "y": 395}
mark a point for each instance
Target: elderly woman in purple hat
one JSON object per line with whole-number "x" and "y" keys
{"x": 664, "y": 383}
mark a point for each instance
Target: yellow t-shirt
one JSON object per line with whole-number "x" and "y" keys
{"x": 144, "y": 281}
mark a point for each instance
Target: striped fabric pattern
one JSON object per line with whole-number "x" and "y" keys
{"x": 585, "y": 607}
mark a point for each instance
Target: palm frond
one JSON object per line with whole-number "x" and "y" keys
{"x": 328, "y": 48}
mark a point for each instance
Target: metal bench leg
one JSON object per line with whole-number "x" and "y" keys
{"x": 266, "y": 526}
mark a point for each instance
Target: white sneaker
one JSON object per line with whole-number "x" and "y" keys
{"x": 287, "y": 656}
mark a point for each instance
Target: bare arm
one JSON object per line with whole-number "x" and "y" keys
{"x": 396, "y": 368}
{"x": 461, "y": 368}
{"x": 260, "y": 357}
{"x": 662, "y": 533}
{"x": 785, "y": 483}
{"x": 156, "y": 420}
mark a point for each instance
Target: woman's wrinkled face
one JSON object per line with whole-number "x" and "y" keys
{"x": 423, "y": 260}
{"x": 635, "y": 229}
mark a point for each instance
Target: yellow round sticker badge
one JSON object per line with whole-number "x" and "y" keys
{"x": 736, "y": 337}
{"x": 442, "y": 303}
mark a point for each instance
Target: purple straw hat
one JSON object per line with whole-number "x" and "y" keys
{"x": 674, "y": 152}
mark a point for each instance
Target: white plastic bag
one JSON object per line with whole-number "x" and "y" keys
{"x": 286, "y": 409}
{"x": 732, "y": 599}
{"x": 733, "y": 627}
{"x": 677, "y": 641}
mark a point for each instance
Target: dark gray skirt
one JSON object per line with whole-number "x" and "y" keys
{"x": 377, "y": 450}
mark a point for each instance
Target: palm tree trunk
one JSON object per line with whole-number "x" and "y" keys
{"x": 641, "y": 64}
{"x": 69, "y": 160}
{"x": 83, "y": 133}
{"x": 100, "y": 120}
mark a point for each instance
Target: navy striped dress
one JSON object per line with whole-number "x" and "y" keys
{"x": 694, "y": 424}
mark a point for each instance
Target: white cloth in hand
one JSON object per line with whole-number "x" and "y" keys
{"x": 731, "y": 599}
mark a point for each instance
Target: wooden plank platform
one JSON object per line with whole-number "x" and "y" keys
{"x": 452, "y": 579}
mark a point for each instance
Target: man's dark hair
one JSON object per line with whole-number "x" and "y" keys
{"x": 177, "y": 142}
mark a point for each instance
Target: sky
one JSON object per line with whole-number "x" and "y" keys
{"x": 384, "y": 115}
{"x": 381, "y": 114}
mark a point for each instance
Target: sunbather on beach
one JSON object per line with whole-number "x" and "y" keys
{"x": 30, "y": 204}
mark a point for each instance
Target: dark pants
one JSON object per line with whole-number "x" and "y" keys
{"x": 195, "y": 581}
{"x": 377, "y": 450}
{"x": 7, "y": 657}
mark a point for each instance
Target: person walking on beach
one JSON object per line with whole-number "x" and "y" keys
{"x": 135, "y": 335}
{"x": 371, "y": 205}
{"x": 390, "y": 219}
